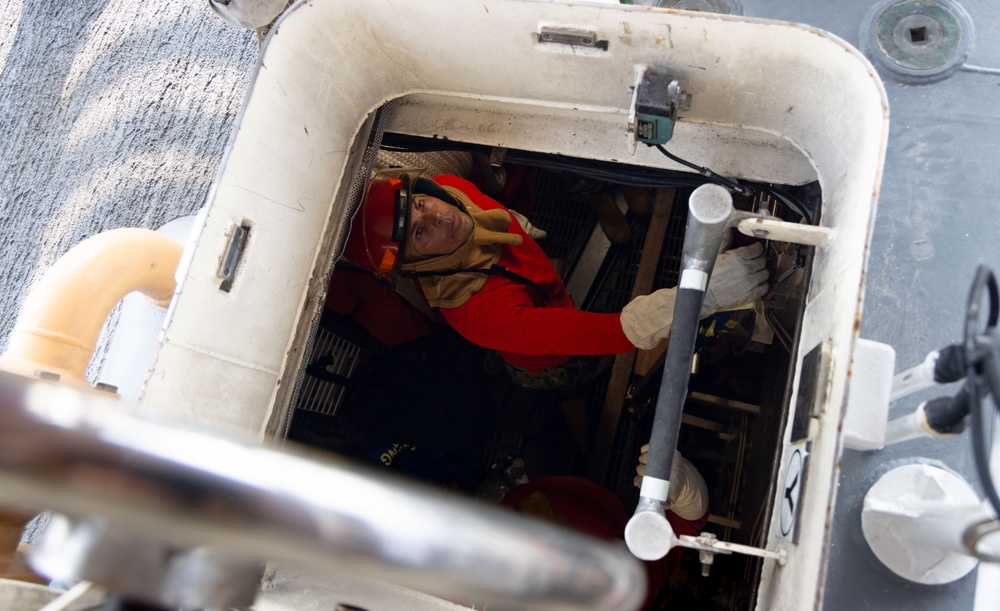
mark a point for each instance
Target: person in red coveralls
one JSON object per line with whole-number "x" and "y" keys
{"x": 495, "y": 286}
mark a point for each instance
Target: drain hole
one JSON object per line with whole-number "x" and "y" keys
{"x": 918, "y": 36}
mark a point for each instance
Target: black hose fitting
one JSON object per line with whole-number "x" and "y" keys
{"x": 947, "y": 415}
{"x": 951, "y": 364}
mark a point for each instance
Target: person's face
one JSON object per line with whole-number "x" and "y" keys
{"x": 437, "y": 228}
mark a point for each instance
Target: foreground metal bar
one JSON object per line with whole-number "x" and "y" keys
{"x": 81, "y": 454}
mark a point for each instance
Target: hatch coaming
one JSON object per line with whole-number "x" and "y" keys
{"x": 770, "y": 101}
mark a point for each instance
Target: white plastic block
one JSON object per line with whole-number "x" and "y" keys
{"x": 868, "y": 396}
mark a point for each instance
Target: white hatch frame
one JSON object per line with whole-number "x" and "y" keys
{"x": 771, "y": 101}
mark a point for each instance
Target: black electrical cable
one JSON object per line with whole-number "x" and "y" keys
{"x": 637, "y": 176}
{"x": 709, "y": 174}
{"x": 622, "y": 174}
{"x": 732, "y": 185}
{"x": 786, "y": 199}
{"x": 983, "y": 357}
{"x": 633, "y": 176}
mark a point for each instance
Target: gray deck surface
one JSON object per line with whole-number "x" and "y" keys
{"x": 936, "y": 221}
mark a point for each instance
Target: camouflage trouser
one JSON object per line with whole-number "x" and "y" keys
{"x": 570, "y": 377}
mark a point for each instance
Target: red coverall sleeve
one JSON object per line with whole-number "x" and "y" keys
{"x": 501, "y": 316}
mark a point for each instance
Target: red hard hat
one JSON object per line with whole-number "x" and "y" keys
{"x": 379, "y": 228}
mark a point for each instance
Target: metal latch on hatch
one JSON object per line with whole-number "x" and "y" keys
{"x": 656, "y": 98}
{"x": 571, "y": 36}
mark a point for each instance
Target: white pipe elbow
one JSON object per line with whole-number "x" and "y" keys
{"x": 61, "y": 319}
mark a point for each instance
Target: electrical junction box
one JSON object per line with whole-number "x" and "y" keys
{"x": 658, "y": 97}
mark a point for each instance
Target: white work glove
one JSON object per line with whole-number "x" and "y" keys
{"x": 739, "y": 276}
{"x": 533, "y": 232}
{"x": 688, "y": 493}
{"x": 646, "y": 319}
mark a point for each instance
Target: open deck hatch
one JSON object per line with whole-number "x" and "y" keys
{"x": 381, "y": 403}
{"x": 771, "y": 103}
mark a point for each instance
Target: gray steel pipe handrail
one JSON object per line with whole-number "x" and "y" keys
{"x": 710, "y": 211}
{"x": 80, "y": 454}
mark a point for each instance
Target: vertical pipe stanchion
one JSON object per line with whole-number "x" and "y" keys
{"x": 648, "y": 533}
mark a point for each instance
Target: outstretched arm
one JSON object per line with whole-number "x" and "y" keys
{"x": 501, "y": 316}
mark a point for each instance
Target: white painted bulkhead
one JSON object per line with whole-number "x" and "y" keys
{"x": 770, "y": 101}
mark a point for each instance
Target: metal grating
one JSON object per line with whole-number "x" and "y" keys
{"x": 566, "y": 219}
{"x": 520, "y": 416}
{"x": 358, "y": 188}
{"x": 616, "y": 291}
{"x": 332, "y": 362}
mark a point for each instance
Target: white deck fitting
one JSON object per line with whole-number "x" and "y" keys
{"x": 771, "y": 101}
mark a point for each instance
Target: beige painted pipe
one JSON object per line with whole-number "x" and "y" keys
{"x": 60, "y": 320}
